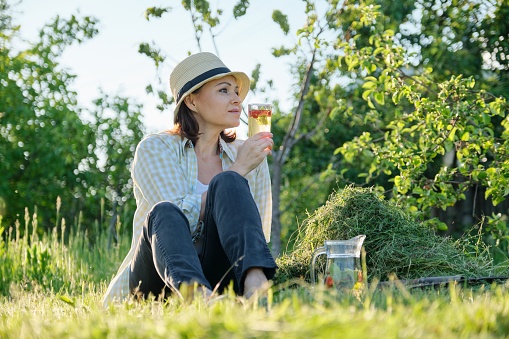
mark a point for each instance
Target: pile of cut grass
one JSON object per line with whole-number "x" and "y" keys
{"x": 395, "y": 242}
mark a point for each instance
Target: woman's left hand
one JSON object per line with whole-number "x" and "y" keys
{"x": 254, "y": 150}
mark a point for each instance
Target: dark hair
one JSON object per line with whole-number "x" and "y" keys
{"x": 186, "y": 125}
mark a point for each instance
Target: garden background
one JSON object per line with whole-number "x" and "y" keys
{"x": 405, "y": 98}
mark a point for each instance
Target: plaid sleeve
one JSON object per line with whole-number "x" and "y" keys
{"x": 262, "y": 195}
{"x": 158, "y": 173}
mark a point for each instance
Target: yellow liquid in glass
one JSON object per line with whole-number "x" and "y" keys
{"x": 258, "y": 121}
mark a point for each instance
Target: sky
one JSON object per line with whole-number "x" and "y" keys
{"x": 111, "y": 62}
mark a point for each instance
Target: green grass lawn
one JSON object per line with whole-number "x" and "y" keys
{"x": 301, "y": 312}
{"x": 51, "y": 286}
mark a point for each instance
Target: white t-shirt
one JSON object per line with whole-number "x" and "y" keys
{"x": 201, "y": 188}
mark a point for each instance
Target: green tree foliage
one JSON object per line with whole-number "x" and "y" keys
{"x": 50, "y": 146}
{"x": 40, "y": 120}
{"x": 435, "y": 132}
{"x": 463, "y": 37}
{"x": 404, "y": 95}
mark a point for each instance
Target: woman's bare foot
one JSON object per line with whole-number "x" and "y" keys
{"x": 255, "y": 281}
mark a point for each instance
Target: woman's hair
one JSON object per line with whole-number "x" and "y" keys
{"x": 186, "y": 125}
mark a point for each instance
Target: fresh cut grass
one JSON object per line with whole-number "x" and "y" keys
{"x": 395, "y": 242}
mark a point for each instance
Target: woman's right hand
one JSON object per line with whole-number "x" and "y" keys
{"x": 252, "y": 152}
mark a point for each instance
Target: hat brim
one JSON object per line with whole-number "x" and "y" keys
{"x": 242, "y": 81}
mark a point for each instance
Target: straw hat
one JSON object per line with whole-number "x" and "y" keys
{"x": 198, "y": 69}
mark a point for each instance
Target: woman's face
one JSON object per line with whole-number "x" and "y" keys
{"x": 217, "y": 104}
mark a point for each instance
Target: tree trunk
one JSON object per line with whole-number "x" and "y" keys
{"x": 279, "y": 159}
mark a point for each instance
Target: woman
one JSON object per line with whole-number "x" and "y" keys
{"x": 203, "y": 198}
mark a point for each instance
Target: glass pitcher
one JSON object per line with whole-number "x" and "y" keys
{"x": 344, "y": 267}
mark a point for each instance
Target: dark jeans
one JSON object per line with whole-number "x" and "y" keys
{"x": 232, "y": 242}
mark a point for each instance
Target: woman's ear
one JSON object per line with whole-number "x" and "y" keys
{"x": 189, "y": 102}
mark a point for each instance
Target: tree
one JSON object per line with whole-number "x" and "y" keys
{"x": 372, "y": 55}
{"x": 39, "y": 118}
{"x": 51, "y": 147}
{"x": 446, "y": 134}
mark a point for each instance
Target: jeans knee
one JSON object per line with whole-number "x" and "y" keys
{"x": 163, "y": 208}
{"x": 228, "y": 179}
{"x": 165, "y": 213}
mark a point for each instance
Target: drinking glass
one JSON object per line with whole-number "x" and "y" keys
{"x": 258, "y": 118}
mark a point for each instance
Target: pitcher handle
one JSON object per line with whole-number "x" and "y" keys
{"x": 319, "y": 251}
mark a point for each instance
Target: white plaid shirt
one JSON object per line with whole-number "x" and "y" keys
{"x": 165, "y": 169}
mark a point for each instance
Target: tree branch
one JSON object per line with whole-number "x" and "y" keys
{"x": 417, "y": 81}
{"x": 294, "y": 126}
{"x": 311, "y": 133}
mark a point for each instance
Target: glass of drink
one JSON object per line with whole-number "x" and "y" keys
{"x": 258, "y": 118}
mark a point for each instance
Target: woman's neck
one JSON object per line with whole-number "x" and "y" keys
{"x": 208, "y": 158}
{"x": 207, "y": 146}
